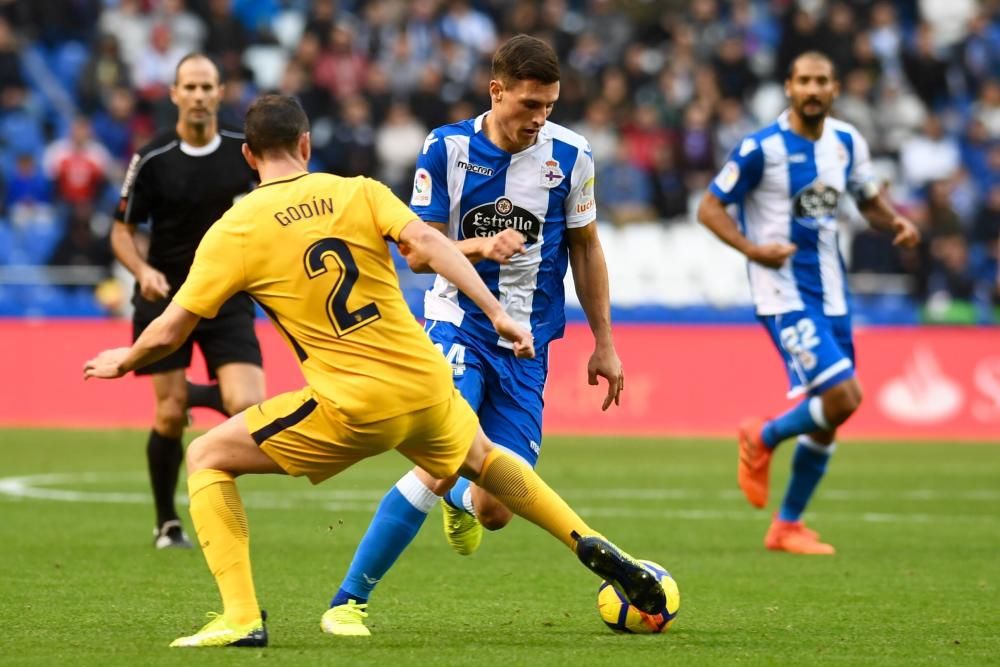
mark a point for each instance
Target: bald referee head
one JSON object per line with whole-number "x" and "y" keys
{"x": 197, "y": 92}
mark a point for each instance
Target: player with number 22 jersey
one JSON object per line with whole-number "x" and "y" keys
{"x": 787, "y": 180}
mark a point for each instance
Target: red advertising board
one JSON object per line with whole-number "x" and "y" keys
{"x": 941, "y": 383}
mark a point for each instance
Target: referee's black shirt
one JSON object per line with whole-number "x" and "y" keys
{"x": 181, "y": 190}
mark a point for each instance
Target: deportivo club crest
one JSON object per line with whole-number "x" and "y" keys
{"x": 551, "y": 174}
{"x": 492, "y": 218}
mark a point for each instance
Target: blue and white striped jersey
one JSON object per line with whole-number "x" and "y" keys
{"x": 788, "y": 188}
{"x": 464, "y": 180}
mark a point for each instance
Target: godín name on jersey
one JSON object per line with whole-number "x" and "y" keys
{"x": 788, "y": 189}
{"x": 478, "y": 190}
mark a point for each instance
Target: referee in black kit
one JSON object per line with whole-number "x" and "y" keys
{"x": 182, "y": 182}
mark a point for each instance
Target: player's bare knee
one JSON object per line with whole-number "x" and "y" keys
{"x": 197, "y": 456}
{"x": 858, "y": 396}
{"x": 494, "y": 516}
{"x": 171, "y": 417}
{"x": 470, "y": 471}
{"x": 207, "y": 452}
{"x": 836, "y": 414}
{"x": 425, "y": 477}
{"x": 841, "y": 402}
{"x": 438, "y": 487}
{"x": 236, "y": 404}
{"x": 472, "y": 466}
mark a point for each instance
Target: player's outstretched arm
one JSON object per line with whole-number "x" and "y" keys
{"x": 882, "y": 216}
{"x": 590, "y": 277}
{"x": 164, "y": 335}
{"x": 427, "y": 246}
{"x": 499, "y": 248}
{"x": 712, "y": 214}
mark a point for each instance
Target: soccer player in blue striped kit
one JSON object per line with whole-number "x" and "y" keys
{"x": 516, "y": 194}
{"x": 787, "y": 180}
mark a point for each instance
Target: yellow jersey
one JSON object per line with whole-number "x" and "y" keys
{"x": 311, "y": 249}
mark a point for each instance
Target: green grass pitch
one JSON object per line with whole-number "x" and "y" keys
{"x": 915, "y": 580}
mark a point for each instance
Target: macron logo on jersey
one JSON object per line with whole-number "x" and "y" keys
{"x": 475, "y": 168}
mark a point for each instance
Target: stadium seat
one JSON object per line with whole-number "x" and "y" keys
{"x": 6, "y": 242}
{"x": 20, "y": 133}
{"x": 8, "y": 303}
{"x": 884, "y": 309}
{"x": 80, "y": 302}
{"x": 268, "y": 64}
{"x": 288, "y": 27}
{"x": 982, "y": 265}
{"x": 39, "y": 241}
{"x": 66, "y": 62}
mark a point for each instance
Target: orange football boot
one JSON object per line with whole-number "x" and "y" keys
{"x": 755, "y": 462}
{"x": 795, "y": 538}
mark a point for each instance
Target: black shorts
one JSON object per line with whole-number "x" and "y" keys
{"x": 227, "y": 338}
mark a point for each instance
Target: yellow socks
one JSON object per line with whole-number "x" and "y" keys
{"x": 221, "y": 524}
{"x": 519, "y": 488}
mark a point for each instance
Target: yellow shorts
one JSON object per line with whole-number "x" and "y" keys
{"x": 304, "y": 435}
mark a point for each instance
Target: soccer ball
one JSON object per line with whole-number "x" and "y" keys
{"x": 620, "y": 616}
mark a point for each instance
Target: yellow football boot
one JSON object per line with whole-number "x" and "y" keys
{"x": 346, "y": 620}
{"x": 220, "y": 632}
{"x": 462, "y": 530}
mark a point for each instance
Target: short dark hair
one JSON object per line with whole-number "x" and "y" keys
{"x": 197, "y": 55}
{"x": 523, "y": 57}
{"x": 812, "y": 55}
{"x": 273, "y": 124}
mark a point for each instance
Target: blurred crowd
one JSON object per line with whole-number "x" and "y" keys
{"x": 662, "y": 89}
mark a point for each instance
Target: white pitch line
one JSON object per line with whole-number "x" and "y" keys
{"x": 39, "y": 487}
{"x": 750, "y": 515}
{"x": 35, "y": 486}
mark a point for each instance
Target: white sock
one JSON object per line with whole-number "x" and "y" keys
{"x": 811, "y": 444}
{"x": 418, "y": 495}
{"x": 467, "y": 501}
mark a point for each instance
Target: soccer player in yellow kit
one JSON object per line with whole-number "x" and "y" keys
{"x": 311, "y": 249}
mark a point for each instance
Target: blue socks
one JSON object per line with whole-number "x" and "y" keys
{"x": 810, "y": 458}
{"x": 396, "y": 522}
{"x": 806, "y": 417}
{"x": 808, "y": 467}
{"x": 460, "y": 496}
